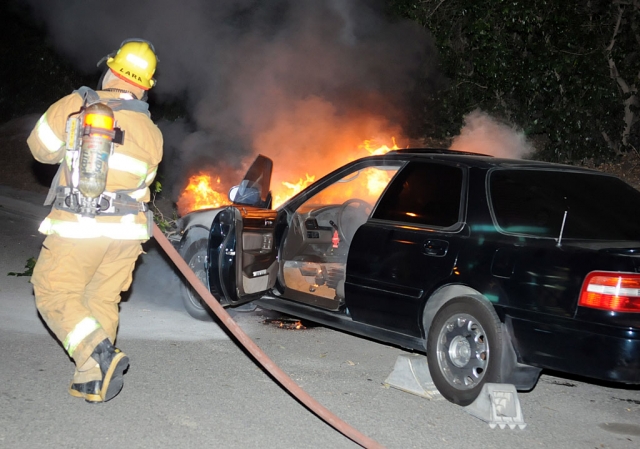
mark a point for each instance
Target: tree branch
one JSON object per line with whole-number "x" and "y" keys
{"x": 615, "y": 30}
{"x": 576, "y": 54}
{"x": 470, "y": 82}
{"x": 434, "y": 9}
{"x": 613, "y": 69}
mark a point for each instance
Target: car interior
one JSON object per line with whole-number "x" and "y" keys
{"x": 320, "y": 233}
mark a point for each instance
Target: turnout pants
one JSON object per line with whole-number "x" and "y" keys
{"x": 77, "y": 285}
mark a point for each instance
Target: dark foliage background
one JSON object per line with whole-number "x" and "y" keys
{"x": 564, "y": 72}
{"x": 32, "y": 73}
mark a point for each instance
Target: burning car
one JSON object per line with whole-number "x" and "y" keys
{"x": 496, "y": 268}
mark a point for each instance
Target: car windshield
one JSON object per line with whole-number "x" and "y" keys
{"x": 534, "y": 202}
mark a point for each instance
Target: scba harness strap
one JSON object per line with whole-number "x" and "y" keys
{"x": 116, "y": 104}
{"x": 118, "y": 203}
{"x": 109, "y": 203}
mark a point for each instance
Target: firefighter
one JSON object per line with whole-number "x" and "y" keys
{"x": 93, "y": 238}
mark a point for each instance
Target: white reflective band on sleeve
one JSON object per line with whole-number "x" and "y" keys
{"x": 81, "y": 331}
{"x": 128, "y": 164}
{"x": 47, "y": 136}
{"x": 150, "y": 176}
{"x": 138, "y": 194}
{"x": 89, "y": 228}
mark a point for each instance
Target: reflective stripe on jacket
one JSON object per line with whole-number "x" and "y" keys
{"x": 132, "y": 168}
{"x": 47, "y": 136}
{"x": 85, "y": 228}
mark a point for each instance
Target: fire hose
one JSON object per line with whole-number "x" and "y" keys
{"x": 264, "y": 360}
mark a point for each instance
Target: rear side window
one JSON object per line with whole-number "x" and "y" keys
{"x": 423, "y": 193}
{"x": 534, "y": 202}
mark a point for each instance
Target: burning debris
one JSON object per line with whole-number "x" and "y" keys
{"x": 286, "y": 323}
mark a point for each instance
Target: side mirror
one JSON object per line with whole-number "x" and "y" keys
{"x": 243, "y": 194}
{"x": 233, "y": 193}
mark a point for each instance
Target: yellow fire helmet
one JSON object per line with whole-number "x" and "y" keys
{"x": 135, "y": 62}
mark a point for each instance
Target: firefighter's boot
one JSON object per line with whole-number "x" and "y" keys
{"x": 87, "y": 382}
{"x": 111, "y": 363}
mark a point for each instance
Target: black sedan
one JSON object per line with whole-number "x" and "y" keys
{"x": 496, "y": 268}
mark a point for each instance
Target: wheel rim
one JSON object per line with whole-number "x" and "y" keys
{"x": 463, "y": 351}
{"x": 197, "y": 265}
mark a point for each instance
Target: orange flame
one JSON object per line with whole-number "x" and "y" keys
{"x": 369, "y": 145}
{"x": 202, "y": 192}
{"x": 286, "y": 324}
{"x": 280, "y": 194}
{"x": 376, "y": 182}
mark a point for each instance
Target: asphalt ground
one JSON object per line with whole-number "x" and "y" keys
{"x": 191, "y": 385}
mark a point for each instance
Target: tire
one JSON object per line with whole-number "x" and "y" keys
{"x": 464, "y": 348}
{"x": 194, "y": 252}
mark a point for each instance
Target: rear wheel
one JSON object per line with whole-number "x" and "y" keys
{"x": 464, "y": 349}
{"x": 194, "y": 252}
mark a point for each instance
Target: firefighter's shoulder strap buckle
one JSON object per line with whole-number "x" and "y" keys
{"x": 118, "y": 138}
{"x": 119, "y": 203}
{"x": 89, "y": 95}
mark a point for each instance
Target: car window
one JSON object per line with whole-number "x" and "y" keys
{"x": 424, "y": 193}
{"x": 314, "y": 254}
{"x": 534, "y": 202}
{"x": 366, "y": 184}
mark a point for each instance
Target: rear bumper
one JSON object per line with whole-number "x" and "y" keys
{"x": 599, "y": 352}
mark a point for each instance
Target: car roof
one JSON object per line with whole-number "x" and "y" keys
{"x": 483, "y": 161}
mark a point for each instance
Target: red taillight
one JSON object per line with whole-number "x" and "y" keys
{"x": 617, "y": 292}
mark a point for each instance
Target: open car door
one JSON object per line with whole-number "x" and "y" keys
{"x": 242, "y": 262}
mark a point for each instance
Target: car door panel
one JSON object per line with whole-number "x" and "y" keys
{"x": 408, "y": 248}
{"x": 389, "y": 274}
{"x": 242, "y": 262}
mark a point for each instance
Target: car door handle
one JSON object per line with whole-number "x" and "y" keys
{"x": 437, "y": 248}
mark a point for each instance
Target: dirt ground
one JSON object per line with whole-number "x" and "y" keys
{"x": 19, "y": 170}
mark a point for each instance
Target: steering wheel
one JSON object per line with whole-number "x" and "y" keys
{"x": 352, "y": 214}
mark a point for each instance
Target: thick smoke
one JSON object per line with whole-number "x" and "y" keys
{"x": 482, "y": 133}
{"x": 295, "y": 80}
